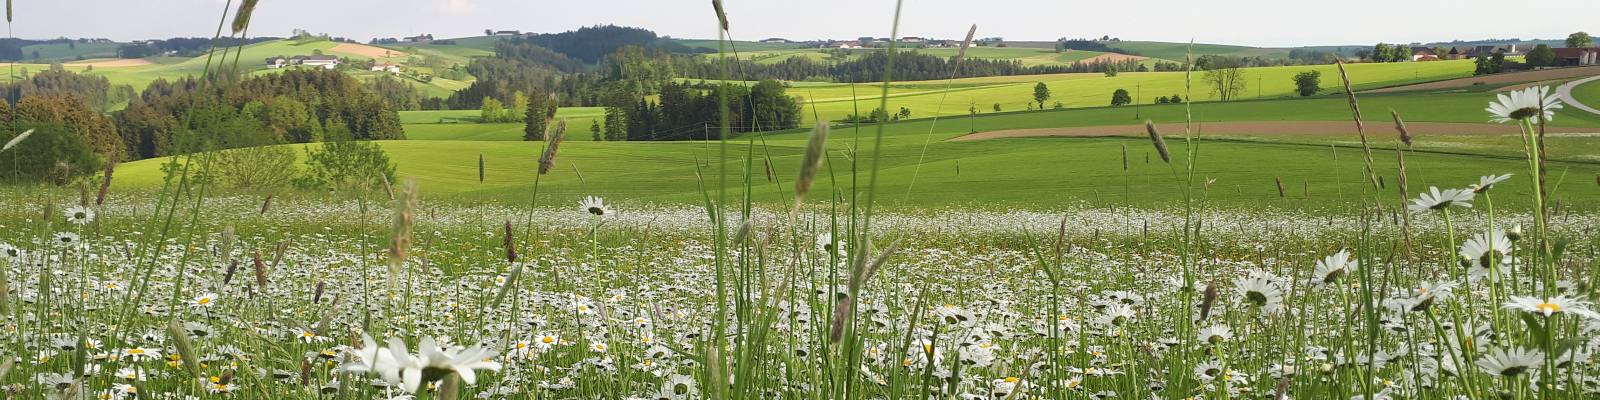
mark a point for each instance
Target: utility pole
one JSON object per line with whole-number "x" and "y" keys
{"x": 1138, "y": 97}
{"x": 1258, "y": 87}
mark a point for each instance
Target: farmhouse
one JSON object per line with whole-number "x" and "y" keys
{"x": 1577, "y": 57}
{"x": 385, "y": 67}
{"x": 1485, "y": 51}
{"x": 1423, "y": 54}
{"x": 775, "y": 41}
{"x": 324, "y": 61}
{"x": 913, "y": 39}
{"x": 849, "y": 45}
{"x": 277, "y": 62}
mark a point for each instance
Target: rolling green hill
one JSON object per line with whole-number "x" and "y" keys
{"x": 919, "y": 160}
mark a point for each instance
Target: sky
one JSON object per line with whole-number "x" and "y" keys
{"x": 1267, "y": 23}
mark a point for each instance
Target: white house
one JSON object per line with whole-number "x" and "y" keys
{"x": 324, "y": 61}
{"x": 386, "y": 67}
{"x": 849, "y": 45}
{"x": 277, "y": 62}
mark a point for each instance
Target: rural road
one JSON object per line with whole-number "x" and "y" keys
{"x": 1565, "y": 91}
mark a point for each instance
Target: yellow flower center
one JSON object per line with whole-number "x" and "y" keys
{"x": 1549, "y": 308}
{"x": 1012, "y": 379}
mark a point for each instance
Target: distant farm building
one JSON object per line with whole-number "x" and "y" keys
{"x": 776, "y": 41}
{"x": 277, "y": 62}
{"x": 420, "y": 38}
{"x": 385, "y": 67}
{"x": 506, "y": 33}
{"x": 1423, "y": 54}
{"x": 849, "y": 45}
{"x": 321, "y": 60}
{"x": 1577, "y": 57}
{"x": 913, "y": 39}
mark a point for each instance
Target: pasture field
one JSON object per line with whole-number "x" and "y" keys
{"x": 463, "y": 125}
{"x": 250, "y": 58}
{"x": 1014, "y": 93}
{"x": 923, "y": 167}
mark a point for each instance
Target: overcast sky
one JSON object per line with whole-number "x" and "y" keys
{"x": 1246, "y": 22}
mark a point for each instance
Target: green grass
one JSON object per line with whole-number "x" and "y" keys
{"x": 1177, "y": 51}
{"x": 1029, "y": 172}
{"x": 463, "y": 125}
{"x": 1014, "y": 93}
{"x": 75, "y": 51}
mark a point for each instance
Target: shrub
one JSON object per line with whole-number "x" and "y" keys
{"x": 263, "y": 168}
{"x": 345, "y": 164}
{"x": 43, "y": 154}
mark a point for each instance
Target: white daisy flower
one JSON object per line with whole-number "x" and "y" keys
{"x": 1435, "y": 199}
{"x": 80, "y": 215}
{"x": 1331, "y": 268}
{"x": 1261, "y": 292}
{"x": 206, "y": 300}
{"x": 1487, "y": 182}
{"x": 1537, "y": 101}
{"x": 1477, "y": 251}
{"x": 9, "y": 252}
{"x": 1216, "y": 334}
{"x": 595, "y": 206}
{"x": 65, "y": 238}
{"x": 1550, "y": 306}
{"x": 1500, "y": 362}
{"x": 433, "y": 363}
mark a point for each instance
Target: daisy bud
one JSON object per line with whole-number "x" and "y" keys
{"x": 1515, "y": 233}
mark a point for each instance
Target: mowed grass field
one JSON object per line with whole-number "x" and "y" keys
{"x": 919, "y": 160}
{"x": 1015, "y": 93}
{"x": 463, "y": 125}
{"x": 250, "y": 58}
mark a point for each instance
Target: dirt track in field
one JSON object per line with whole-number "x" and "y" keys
{"x": 366, "y": 51}
{"x": 1273, "y": 128}
{"x": 1496, "y": 79}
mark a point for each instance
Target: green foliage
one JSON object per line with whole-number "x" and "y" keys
{"x": 536, "y": 116}
{"x": 1308, "y": 83}
{"x": 1493, "y": 64}
{"x": 493, "y": 112}
{"x": 52, "y": 153}
{"x": 1579, "y": 39}
{"x": 594, "y": 129}
{"x": 345, "y": 164}
{"x": 260, "y": 168}
{"x": 1041, "y": 92}
{"x": 1120, "y": 98}
{"x": 1541, "y": 56}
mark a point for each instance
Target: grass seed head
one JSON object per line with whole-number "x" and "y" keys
{"x": 241, "y": 20}
{"x": 1400, "y": 126}
{"x": 21, "y": 137}
{"x": 547, "y": 161}
{"x": 105, "y": 184}
{"x": 816, "y": 148}
{"x": 1161, "y": 143}
{"x": 186, "y": 353}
